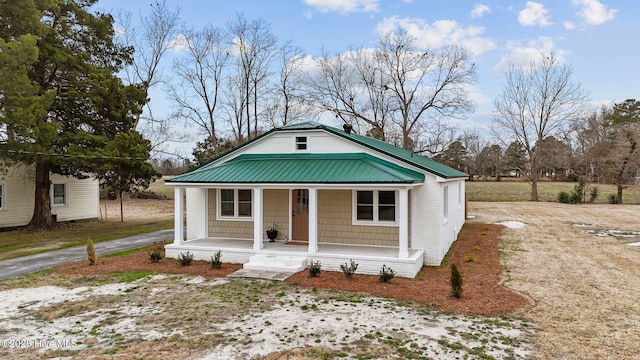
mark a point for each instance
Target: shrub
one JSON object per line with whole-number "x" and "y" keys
{"x": 350, "y": 269}
{"x": 91, "y": 253}
{"x": 613, "y": 199}
{"x": 563, "y": 197}
{"x": 314, "y": 268}
{"x": 593, "y": 194}
{"x": 155, "y": 253}
{"x": 456, "y": 282}
{"x": 185, "y": 259}
{"x": 386, "y": 274}
{"x": 216, "y": 262}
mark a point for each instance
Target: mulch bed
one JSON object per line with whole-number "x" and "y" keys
{"x": 475, "y": 254}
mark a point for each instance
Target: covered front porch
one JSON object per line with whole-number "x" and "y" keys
{"x": 369, "y": 258}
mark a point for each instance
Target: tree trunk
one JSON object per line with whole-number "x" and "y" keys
{"x": 42, "y": 206}
{"x": 534, "y": 188}
{"x": 121, "y": 208}
{"x": 620, "y": 187}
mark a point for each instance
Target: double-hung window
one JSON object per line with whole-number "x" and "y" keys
{"x": 59, "y": 194}
{"x": 301, "y": 143}
{"x": 375, "y": 207}
{"x": 235, "y": 203}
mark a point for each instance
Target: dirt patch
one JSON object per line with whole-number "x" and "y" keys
{"x": 584, "y": 287}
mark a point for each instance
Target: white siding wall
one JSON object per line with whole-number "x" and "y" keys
{"x": 451, "y": 227}
{"x": 426, "y": 218}
{"x": 196, "y": 213}
{"x": 317, "y": 142}
{"x": 83, "y": 199}
{"x": 19, "y": 192}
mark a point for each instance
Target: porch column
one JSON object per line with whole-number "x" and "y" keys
{"x": 178, "y": 215}
{"x": 403, "y": 223}
{"x": 313, "y": 220}
{"x": 257, "y": 218}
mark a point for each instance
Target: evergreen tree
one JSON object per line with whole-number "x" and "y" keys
{"x": 61, "y": 103}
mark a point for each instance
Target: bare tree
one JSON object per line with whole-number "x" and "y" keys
{"x": 398, "y": 90}
{"x": 155, "y": 36}
{"x": 254, "y": 45}
{"x": 201, "y": 71}
{"x": 287, "y": 102}
{"x": 537, "y": 102}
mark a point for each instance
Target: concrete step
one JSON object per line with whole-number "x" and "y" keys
{"x": 267, "y": 262}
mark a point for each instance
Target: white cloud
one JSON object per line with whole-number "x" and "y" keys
{"x": 593, "y": 12}
{"x": 118, "y": 30}
{"x": 569, "y": 25}
{"x": 522, "y": 56}
{"x": 479, "y": 10}
{"x": 179, "y": 43}
{"x": 440, "y": 33}
{"x": 534, "y": 14}
{"x": 343, "y": 6}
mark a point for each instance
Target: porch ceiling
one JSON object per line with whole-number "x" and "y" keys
{"x": 353, "y": 168}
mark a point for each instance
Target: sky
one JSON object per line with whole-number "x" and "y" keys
{"x": 598, "y": 38}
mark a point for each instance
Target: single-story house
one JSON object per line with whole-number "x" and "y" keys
{"x": 71, "y": 198}
{"x": 333, "y": 196}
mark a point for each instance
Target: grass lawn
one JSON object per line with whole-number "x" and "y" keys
{"x": 23, "y": 242}
{"x": 159, "y": 187}
{"x": 547, "y": 191}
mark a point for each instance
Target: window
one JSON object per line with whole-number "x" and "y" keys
{"x": 235, "y": 203}
{"x": 2, "y": 196}
{"x": 375, "y": 206}
{"x": 59, "y": 194}
{"x": 301, "y": 143}
{"x": 445, "y": 203}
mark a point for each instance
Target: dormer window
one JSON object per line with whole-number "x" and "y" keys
{"x": 301, "y": 143}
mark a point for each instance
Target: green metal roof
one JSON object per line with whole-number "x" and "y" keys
{"x": 398, "y": 153}
{"x": 356, "y": 168}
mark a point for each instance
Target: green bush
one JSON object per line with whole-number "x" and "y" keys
{"x": 216, "y": 261}
{"x": 314, "y": 268}
{"x": 563, "y": 197}
{"x": 350, "y": 269}
{"x": 185, "y": 259}
{"x": 386, "y": 274}
{"x": 456, "y": 282}
{"x": 91, "y": 253}
{"x": 593, "y": 194}
{"x": 613, "y": 199}
{"x": 155, "y": 253}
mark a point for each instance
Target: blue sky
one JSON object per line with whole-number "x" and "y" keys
{"x": 599, "y": 38}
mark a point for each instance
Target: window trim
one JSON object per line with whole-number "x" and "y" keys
{"x": 445, "y": 204}
{"x": 236, "y": 201}
{"x": 3, "y": 195}
{"x": 376, "y": 208}
{"x": 66, "y": 194}
{"x": 297, "y": 143}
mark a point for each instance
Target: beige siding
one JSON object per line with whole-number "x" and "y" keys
{"x": 276, "y": 211}
{"x": 19, "y": 185}
{"x": 82, "y": 199}
{"x": 225, "y": 228}
{"x": 335, "y": 223}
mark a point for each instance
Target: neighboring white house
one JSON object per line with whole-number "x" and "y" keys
{"x": 71, "y": 198}
{"x": 332, "y": 195}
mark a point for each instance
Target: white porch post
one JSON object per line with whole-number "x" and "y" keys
{"x": 257, "y": 218}
{"x": 178, "y": 214}
{"x": 313, "y": 220}
{"x": 403, "y": 223}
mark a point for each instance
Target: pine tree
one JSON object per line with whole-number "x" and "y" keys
{"x": 456, "y": 282}
{"x": 91, "y": 253}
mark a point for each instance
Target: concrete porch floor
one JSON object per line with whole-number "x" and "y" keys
{"x": 369, "y": 258}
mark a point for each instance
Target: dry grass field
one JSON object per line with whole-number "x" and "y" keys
{"x": 585, "y": 289}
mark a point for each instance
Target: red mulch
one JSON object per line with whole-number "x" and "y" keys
{"x": 475, "y": 254}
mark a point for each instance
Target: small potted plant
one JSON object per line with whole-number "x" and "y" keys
{"x": 272, "y": 232}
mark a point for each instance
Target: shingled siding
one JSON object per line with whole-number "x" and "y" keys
{"x": 225, "y": 228}
{"x": 275, "y": 205}
{"x": 335, "y": 223}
